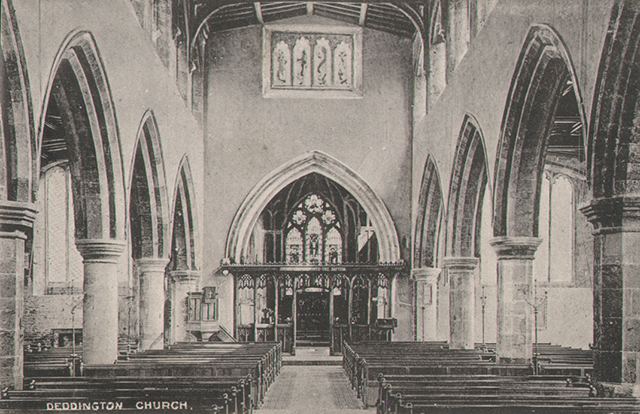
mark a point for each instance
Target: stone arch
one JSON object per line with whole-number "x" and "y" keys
{"x": 183, "y": 252}
{"x": 469, "y": 178}
{"x": 148, "y": 203}
{"x": 19, "y": 173}
{"x": 315, "y": 161}
{"x": 542, "y": 71}
{"x": 79, "y": 89}
{"x": 612, "y": 159}
{"x": 429, "y": 218}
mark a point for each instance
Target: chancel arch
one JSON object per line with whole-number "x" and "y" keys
{"x": 464, "y": 215}
{"x": 543, "y": 125}
{"x": 238, "y": 241}
{"x": 148, "y": 215}
{"x": 79, "y": 127}
{"x": 314, "y": 269}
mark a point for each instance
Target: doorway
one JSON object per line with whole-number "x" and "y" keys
{"x": 312, "y": 317}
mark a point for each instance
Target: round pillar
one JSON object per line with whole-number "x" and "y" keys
{"x": 515, "y": 297}
{"x": 15, "y": 221}
{"x": 100, "y": 324}
{"x": 184, "y": 281}
{"x": 616, "y": 289}
{"x": 151, "y": 275}
{"x": 426, "y": 279}
{"x": 461, "y": 272}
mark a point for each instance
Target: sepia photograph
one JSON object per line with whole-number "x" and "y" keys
{"x": 284, "y": 207}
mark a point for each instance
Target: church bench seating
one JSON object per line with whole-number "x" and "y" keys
{"x": 230, "y": 394}
{"x": 433, "y": 366}
{"x": 416, "y": 394}
{"x": 364, "y": 362}
{"x": 233, "y": 378}
{"x": 262, "y": 361}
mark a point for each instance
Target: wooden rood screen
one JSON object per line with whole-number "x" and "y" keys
{"x": 314, "y": 305}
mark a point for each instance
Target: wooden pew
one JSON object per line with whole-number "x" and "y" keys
{"x": 231, "y": 395}
{"x": 232, "y": 377}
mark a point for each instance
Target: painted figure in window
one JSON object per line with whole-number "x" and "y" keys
{"x": 342, "y": 65}
{"x": 294, "y": 254}
{"x": 314, "y": 246}
{"x": 322, "y": 63}
{"x": 333, "y": 255}
{"x": 281, "y": 65}
{"x": 302, "y": 58}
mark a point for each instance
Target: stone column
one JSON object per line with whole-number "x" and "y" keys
{"x": 100, "y": 324}
{"x": 515, "y": 297}
{"x": 458, "y": 34}
{"x": 184, "y": 281}
{"x": 15, "y": 221}
{"x": 461, "y": 272}
{"x": 151, "y": 273}
{"x": 426, "y": 279}
{"x": 616, "y": 288}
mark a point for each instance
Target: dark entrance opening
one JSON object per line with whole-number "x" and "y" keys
{"x": 313, "y": 324}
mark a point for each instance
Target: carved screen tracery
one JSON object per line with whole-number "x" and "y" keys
{"x": 312, "y": 61}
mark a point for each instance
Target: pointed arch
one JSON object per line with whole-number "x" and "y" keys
{"x": 18, "y": 171}
{"x": 612, "y": 156}
{"x": 469, "y": 177}
{"x": 79, "y": 91}
{"x": 148, "y": 202}
{"x": 313, "y": 162}
{"x": 429, "y": 218}
{"x": 543, "y": 70}
{"x": 185, "y": 225}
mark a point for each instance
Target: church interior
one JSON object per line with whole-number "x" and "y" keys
{"x": 439, "y": 195}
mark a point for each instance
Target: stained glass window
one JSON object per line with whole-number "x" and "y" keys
{"x": 313, "y": 220}
{"x": 313, "y": 224}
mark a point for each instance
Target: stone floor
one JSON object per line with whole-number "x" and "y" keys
{"x": 314, "y": 389}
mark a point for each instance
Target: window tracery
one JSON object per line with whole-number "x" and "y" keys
{"x": 314, "y": 224}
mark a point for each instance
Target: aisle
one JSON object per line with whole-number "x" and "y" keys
{"x": 322, "y": 389}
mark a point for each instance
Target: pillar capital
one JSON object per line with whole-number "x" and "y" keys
{"x": 185, "y": 275}
{"x": 461, "y": 263}
{"x": 100, "y": 250}
{"x": 516, "y": 248}
{"x": 614, "y": 213}
{"x": 151, "y": 264}
{"x": 425, "y": 274}
{"x": 16, "y": 216}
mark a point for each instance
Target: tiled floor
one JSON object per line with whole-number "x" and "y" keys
{"x": 312, "y": 389}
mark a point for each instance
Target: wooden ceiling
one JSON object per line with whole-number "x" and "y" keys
{"x": 402, "y": 19}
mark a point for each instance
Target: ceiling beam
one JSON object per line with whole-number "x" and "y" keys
{"x": 258, "y": 8}
{"x": 213, "y": 4}
{"x": 363, "y": 13}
